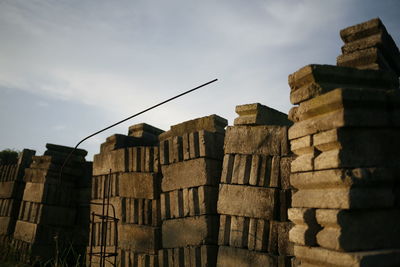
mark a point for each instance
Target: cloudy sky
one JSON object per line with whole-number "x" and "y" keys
{"x": 71, "y": 67}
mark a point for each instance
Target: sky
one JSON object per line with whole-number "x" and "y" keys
{"x": 69, "y": 68}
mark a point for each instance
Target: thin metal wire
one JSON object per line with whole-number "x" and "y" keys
{"x": 130, "y": 117}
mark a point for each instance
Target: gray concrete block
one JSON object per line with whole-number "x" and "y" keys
{"x": 265, "y": 140}
{"x": 190, "y": 231}
{"x": 229, "y": 256}
{"x": 191, "y": 173}
{"x": 248, "y": 201}
{"x": 140, "y": 238}
{"x": 139, "y": 185}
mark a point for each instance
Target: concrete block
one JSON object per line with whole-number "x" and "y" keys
{"x": 116, "y": 161}
{"x": 344, "y": 178}
{"x": 344, "y": 198}
{"x": 143, "y": 159}
{"x": 358, "y": 229}
{"x": 100, "y": 185}
{"x": 7, "y": 189}
{"x": 141, "y": 211}
{"x": 302, "y": 145}
{"x": 284, "y": 173}
{"x": 285, "y": 202}
{"x": 326, "y": 257}
{"x": 303, "y": 163}
{"x": 191, "y": 173}
{"x": 369, "y": 58}
{"x": 212, "y": 123}
{"x": 145, "y": 131}
{"x": 190, "y": 231}
{"x": 305, "y": 226}
{"x": 257, "y": 114}
{"x": 265, "y": 140}
{"x": 362, "y": 30}
{"x": 7, "y": 207}
{"x": 314, "y": 80}
{"x": 5, "y": 225}
{"x": 140, "y": 238}
{"x": 52, "y": 194}
{"x": 189, "y": 202}
{"x": 337, "y": 119}
{"x": 243, "y": 232}
{"x": 133, "y": 258}
{"x": 285, "y": 247}
{"x": 247, "y": 201}
{"x": 139, "y": 185}
{"x": 229, "y": 256}
{"x": 189, "y": 256}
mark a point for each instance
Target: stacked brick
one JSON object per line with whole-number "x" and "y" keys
{"x": 47, "y": 217}
{"x": 132, "y": 164}
{"x": 369, "y": 46}
{"x": 254, "y": 191}
{"x": 191, "y": 159}
{"x": 11, "y": 190}
{"x": 345, "y": 136}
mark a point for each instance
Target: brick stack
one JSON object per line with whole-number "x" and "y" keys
{"x": 255, "y": 193}
{"x": 47, "y": 216}
{"x": 369, "y": 46}
{"x": 133, "y": 162}
{"x": 11, "y": 190}
{"x": 345, "y": 135}
{"x": 191, "y": 158}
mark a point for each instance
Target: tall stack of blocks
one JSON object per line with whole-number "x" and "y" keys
{"x": 346, "y": 138}
{"x": 254, "y": 193}
{"x": 191, "y": 158}
{"x": 48, "y": 214}
{"x": 132, "y": 164}
{"x": 11, "y": 190}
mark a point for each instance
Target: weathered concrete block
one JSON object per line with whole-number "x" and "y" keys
{"x": 344, "y": 178}
{"x": 190, "y": 231}
{"x": 139, "y": 185}
{"x": 244, "y": 232}
{"x": 146, "y": 132}
{"x": 358, "y": 229}
{"x": 140, "y": 238}
{"x": 191, "y": 173}
{"x": 116, "y": 161}
{"x": 229, "y": 256}
{"x": 306, "y": 226}
{"x": 133, "y": 258}
{"x": 143, "y": 159}
{"x": 188, "y": 256}
{"x": 100, "y": 185}
{"x": 52, "y": 194}
{"x": 192, "y": 145}
{"x": 66, "y": 149}
{"x": 9, "y": 172}
{"x": 344, "y": 198}
{"x": 362, "y": 30}
{"x": 302, "y": 145}
{"x": 369, "y": 58}
{"x": 265, "y": 140}
{"x": 257, "y": 114}
{"x": 326, "y": 257}
{"x": 141, "y": 211}
{"x": 303, "y": 162}
{"x": 248, "y": 201}
{"x": 342, "y": 97}
{"x": 212, "y": 123}
{"x": 259, "y": 170}
{"x": 189, "y": 202}
{"x": 339, "y": 118}
{"x": 5, "y": 225}
{"x": 7, "y": 189}
{"x": 285, "y": 202}
{"x": 285, "y": 170}
{"x": 314, "y": 80}
{"x": 285, "y": 247}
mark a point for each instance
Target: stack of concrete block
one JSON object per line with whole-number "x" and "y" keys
{"x": 191, "y": 159}
{"x": 132, "y": 163}
{"x": 47, "y": 216}
{"x": 345, "y": 137}
{"x": 254, "y": 191}
{"x": 11, "y": 190}
{"x": 369, "y": 46}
